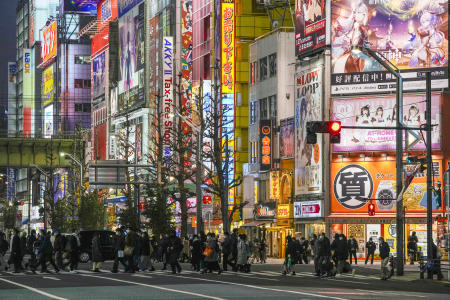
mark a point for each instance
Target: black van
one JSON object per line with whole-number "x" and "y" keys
{"x": 106, "y": 240}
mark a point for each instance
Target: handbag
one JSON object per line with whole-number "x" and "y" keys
{"x": 207, "y": 252}
{"x": 128, "y": 251}
{"x": 120, "y": 253}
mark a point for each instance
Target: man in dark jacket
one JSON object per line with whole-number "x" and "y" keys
{"x": 146, "y": 263}
{"x": 16, "y": 253}
{"x": 119, "y": 246}
{"x": 226, "y": 250}
{"x": 290, "y": 256}
{"x": 352, "y": 248}
{"x": 130, "y": 242}
{"x": 173, "y": 252}
{"x": 164, "y": 246}
{"x": 45, "y": 252}
{"x": 32, "y": 263}
{"x": 196, "y": 250}
{"x": 323, "y": 253}
{"x": 59, "y": 247}
{"x": 340, "y": 247}
{"x": 234, "y": 248}
{"x": 72, "y": 247}
{"x": 412, "y": 249}
{"x": 384, "y": 255}
{"x": 370, "y": 246}
{"x": 304, "y": 243}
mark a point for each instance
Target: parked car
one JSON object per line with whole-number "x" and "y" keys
{"x": 106, "y": 240}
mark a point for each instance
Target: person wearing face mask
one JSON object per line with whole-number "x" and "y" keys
{"x": 323, "y": 253}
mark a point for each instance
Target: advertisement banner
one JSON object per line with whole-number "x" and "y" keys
{"x": 412, "y": 35}
{"x": 374, "y": 232}
{"x": 138, "y": 141}
{"x": 308, "y": 107}
{"x": 99, "y": 76}
{"x": 50, "y": 41}
{"x": 308, "y": 209}
{"x": 125, "y": 6}
{"x": 227, "y": 74}
{"x": 310, "y": 26}
{"x": 284, "y": 211}
{"x": 11, "y": 174}
{"x": 153, "y": 48}
{"x": 48, "y": 86}
{"x": 287, "y": 138}
{"x": 168, "y": 102}
{"x": 48, "y": 121}
{"x": 275, "y": 185}
{"x": 186, "y": 62}
{"x": 131, "y": 57}
{"x": 28, "y": 94}
{"x": 265, "y": 210}
{"x": 354, "y": 183}
{"x": 380, "y": 111}
{"x": 106, "y": 11}
{"x": 100, "y": 41}
{"x": 266, "y": 144}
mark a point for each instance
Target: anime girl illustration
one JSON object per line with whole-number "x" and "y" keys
{"x": 428, "y": 39}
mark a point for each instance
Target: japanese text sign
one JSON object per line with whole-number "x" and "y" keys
{"x": 266, "y": 141}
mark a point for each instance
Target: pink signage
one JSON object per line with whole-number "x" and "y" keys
{"x": 380, "y": 111}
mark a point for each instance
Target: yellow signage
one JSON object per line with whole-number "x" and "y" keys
{"x": 284, "y": 211}
{"x": 48, "y": 86}
{"x": 274, "y": 185}
{"x": 228, "y": 51}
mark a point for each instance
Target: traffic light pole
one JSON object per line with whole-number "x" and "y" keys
{"x": 430, "y": 172}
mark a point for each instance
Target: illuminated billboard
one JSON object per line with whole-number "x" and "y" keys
{"x": 99, "y": 76}
{"x": 106, "y": 11}
{"x": 186, "y": 61}
{"x": 50, "y": 41}
{"x": 380, "y": 111}
{"x": 131, "y": 56}
{"x": 266, "y": 144}
{"x": 48, "y": 121}
{"x": 287, "y": 138}
{"x": 412, "y": 35}
{"x": 28, "y": 95}
{"x": 168, "y": 99}
{"x": 81, "y": 6}
{"x": 308, "y": 107}
{"x": 310, "y": 26}
{"x": 48, "y": 86}
{"x": 228, "y": 67}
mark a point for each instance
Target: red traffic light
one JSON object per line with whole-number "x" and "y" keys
{"x": 371, "y": 209}
{"x": 207, "y": 199}
{"x": 335, "y": 127}
{"x": 21, "y": 203}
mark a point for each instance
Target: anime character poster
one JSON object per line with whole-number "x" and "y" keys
{"x": 308, "y": 107}
{"x": 131, "y": 56}
{"x": 99, "y": 75}
{"x": 411, "y": 34}
{"x": 380, "y": 111}
{"x": 310, "y": 26}
{"x": 287, "y": 138}
{"x": 186, "y": 60}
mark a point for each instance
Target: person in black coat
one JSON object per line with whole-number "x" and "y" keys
{"x": 384, "y": 254}
{"x": 196, "y": 251}
{"x": 164, "y": 244}
{"x": 23, "y": 248}
{"x": 146, "y": 263}
{"x": 119, "y": 246}
{"x": 227, "y": 250}
{"x": 97, "y": 255}
{"x": 59, "y": 247}
{"x": 32, "y": 263}
{"x": 370, "y": 246}
{"x": 323, "y": 252}
{"x": 173, "y": 252}
{"x": 340, "y": 252}
{"x": 234, "y": 248}
{"x": 292, "y": 248}
{"x": 72, "y": 248}
{"x": 352, "y": 248}
{"x": 16, "y": 253}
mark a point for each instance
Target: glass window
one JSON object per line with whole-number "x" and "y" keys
{"x": 78, "y": 107}
{"x": 272, "y": 65}
{"x": 263, "y": 68}
{"x": 263, "y": 114}
{"x": 86, "y": 107}
{"x": 273, "y": 107}
{"x": 254, "y": 152}
{"x": 82, "y": 59}
{"x": 78, "y": 83}
{"x": 253, "y": 107}
{"x": 253, "y": 72}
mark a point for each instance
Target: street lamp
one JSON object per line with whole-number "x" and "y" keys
{"x": 70, "y": 156}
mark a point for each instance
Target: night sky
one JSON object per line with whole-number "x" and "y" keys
{"x": 8, "y": 43}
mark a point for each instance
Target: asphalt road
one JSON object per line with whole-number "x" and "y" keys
{"x": 264, "y": 282}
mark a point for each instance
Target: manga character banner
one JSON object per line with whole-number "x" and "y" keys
{"x": 287, "y": 138}
{"x": 411, "y": 34}
{"x": 308, "y": 107}
{"x": 310, "y": 26}
{"x": 99, "y": 79}
{"x": 380, "y": 111}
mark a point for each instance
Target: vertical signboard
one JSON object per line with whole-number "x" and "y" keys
{"x": 275, "y": 185}
{"x": 48, "y": 91}
{"x": 131, "y": 53}
{"x": 99, "y": 76}
{"x": 186, "y": 60}
{"x": 27, "y": 105}
{"x": 266, "y": 144}
{"x": 50, "y": 41}
{"x": 287, "y": 138}
{"x": 227, "y": 88}
{"x": 411, "y": 35}
{"x": 310, "y": 26}
{"x": 153, "y": 49}
{"x": 11, "y": 186}
{"x": 48, "y": 121}
{"x": 12, "y": 115}
{"x": 308, "y": 107}
{"x": 167, "y": 109}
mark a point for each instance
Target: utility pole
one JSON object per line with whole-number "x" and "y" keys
{"x": 399, "y": 173}
{"x": 430, "y": 172}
